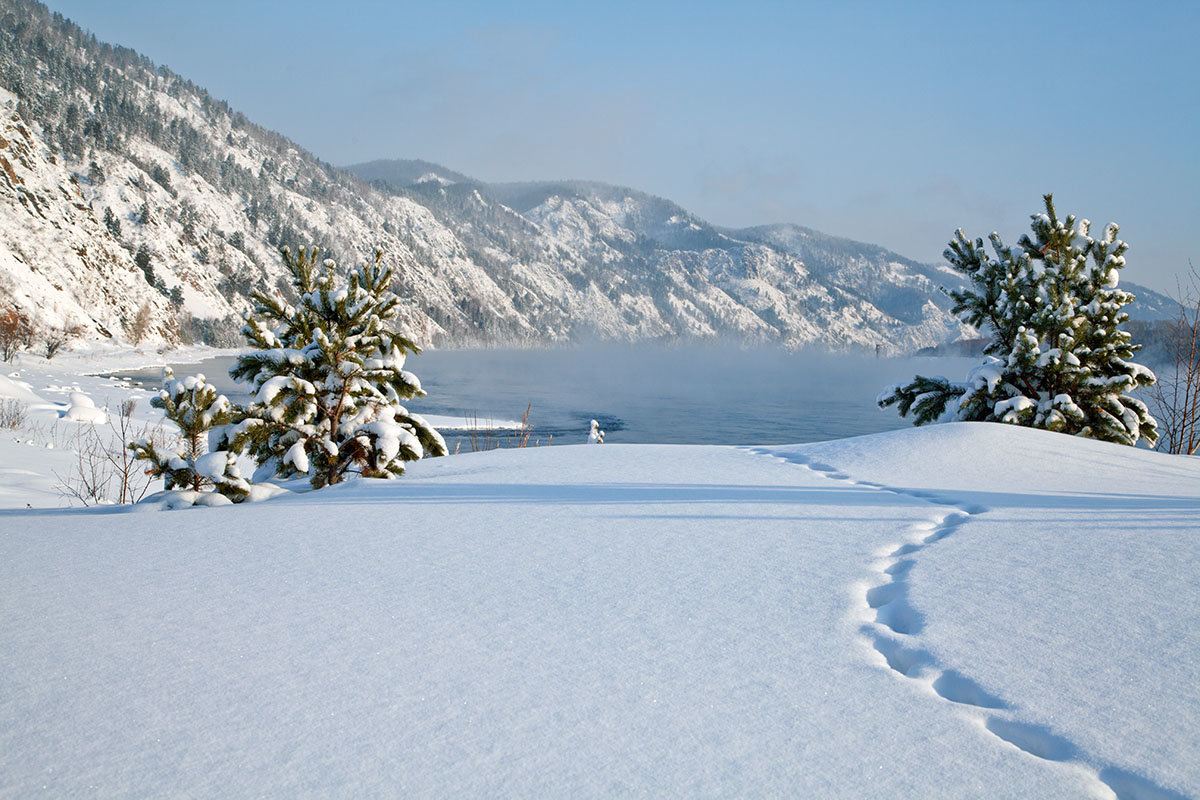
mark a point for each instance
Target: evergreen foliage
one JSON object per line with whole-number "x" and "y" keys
{"x": 1058, "y": 358}
{"x": 142, "y": 259}
{"x": 328, "y": 377}
{"x": 199, "y": 411}
{"x": 112, "y": 223}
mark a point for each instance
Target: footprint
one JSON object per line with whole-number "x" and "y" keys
{"x": 900, "y": 617}
{"x": 909, "y": 662}
{"x": 958, "y": 688}
{"x": 1033, "y": 739}
{"x": 900, "y": 567}
{"x": 887, "y": 593}
{"x": 1129, "y": 786}
{"x": 904, "y": 550}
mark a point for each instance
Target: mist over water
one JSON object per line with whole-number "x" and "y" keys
{"x": 670, "y": 395}
{"x": 656, "y": 394}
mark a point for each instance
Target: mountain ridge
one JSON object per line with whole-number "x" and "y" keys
{"x": 136, "y": 205}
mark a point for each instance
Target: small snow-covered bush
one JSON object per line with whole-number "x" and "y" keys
{"x": 1058, "y": 358}
{"x": 194, "y": 405}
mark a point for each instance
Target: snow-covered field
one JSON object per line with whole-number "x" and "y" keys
{"x": 968, "y": 610}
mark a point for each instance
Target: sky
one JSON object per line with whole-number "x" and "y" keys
{"x": 891, "y": 123}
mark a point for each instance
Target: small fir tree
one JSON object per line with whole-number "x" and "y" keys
{"x": 1058, "y": 358}
{"x": 143, "y": 258}
{"x": 199, "y": 411}
{"x": 328, "y": 378}
{"x": 111, "y": 222}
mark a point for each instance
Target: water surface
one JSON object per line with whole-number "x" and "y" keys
{"x": 655, "y": 394}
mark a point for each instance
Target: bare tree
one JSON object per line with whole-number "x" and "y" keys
{"x": 16, "y": 331}
{"x": 1175, "y": 399}
{"x": 139, "y": 329}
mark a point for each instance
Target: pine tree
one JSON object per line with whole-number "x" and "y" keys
{"x": 111, "y": 222}
{"x": 1058, "y": 358}
{"x": 328, "y": 377}
{"x": 142, "y": 259}
{"x": 194, "y": 405}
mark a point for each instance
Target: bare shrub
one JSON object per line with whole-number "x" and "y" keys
{"x": 12, "y": 413}
{"x": 51, "y": 436}
{"x": 53, "y": 341}
{"x": 104, "y": 470}
{"x": 1175, "y": 398}
{"x": 89, "y": 478}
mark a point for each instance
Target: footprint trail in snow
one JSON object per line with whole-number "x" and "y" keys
{"x": 896, "y": 621}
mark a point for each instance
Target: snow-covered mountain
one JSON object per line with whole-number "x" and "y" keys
{"x": 134, "y": 203}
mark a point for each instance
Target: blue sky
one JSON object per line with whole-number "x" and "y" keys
{"x": 886, "y": 122}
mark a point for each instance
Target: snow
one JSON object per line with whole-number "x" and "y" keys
{"x": 433, "y": 177}
{"x": 83, "y": 409}
{"x": 1008, "y": 410}
{"x": 958, "y": 610}
{"x": 212, "y": 465}
{"x": 12, "y": 386}
{"x": 445, "y": 422}
{"x": 988, "y": 373}
{"x": 297, "y": 457}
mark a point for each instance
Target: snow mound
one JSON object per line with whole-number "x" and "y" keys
{"x": 83, "y": 409}
{"x": 11, "y": 386}
{"x": 174, "y": 499}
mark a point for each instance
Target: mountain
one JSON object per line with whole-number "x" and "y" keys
{"x": 648, "y": 268}
{"x": 134, "y": 205}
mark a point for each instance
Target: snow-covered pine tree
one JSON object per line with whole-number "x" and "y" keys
{"x": 328, "y": 377}
{"x": 194, "y": 405}
{"x": 1058, "y": 358}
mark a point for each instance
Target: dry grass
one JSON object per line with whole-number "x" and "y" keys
{"x": 484, "y": 437}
